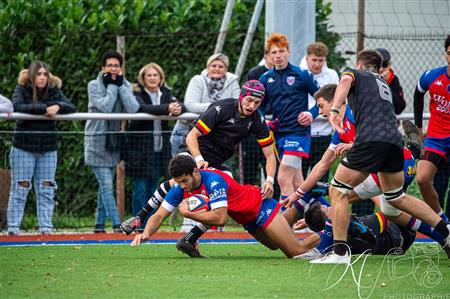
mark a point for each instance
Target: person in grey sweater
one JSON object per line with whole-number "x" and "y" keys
{"x": 5, "y": 105}
{"x": 213, "y": 84}
{"x": 110, "y": 92}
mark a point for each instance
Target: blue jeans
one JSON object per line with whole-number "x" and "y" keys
{"x": 24, "y": 166}
{"x": 141, "y": 193}
{"x": 106, "y": 203}
{"x": 178, "y": 136}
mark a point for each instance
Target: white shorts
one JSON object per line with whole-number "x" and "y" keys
{"x": 367, "y": 189}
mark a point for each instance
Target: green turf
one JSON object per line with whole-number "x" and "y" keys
{"x": 232, "y": 271}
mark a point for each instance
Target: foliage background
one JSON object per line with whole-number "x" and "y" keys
{"x": 72, "y": 35}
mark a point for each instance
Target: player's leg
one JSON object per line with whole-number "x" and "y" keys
{"x": 153, "y": 204}
{"x": 426, "y": 171}
{"x": 344, "y": 180}
{"x": 392, "y": 184}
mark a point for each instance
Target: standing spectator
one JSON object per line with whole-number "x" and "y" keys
{"x": 287, "y": 89}
{"x": 5, "y": 105}
{"x": 146, "y": 154}
{"x": 437, "y": 142}
{"x": 398, "y": 99}
{"x": 213, "y": 84}
{"x": 110, "y": 92}
{"x": 315, "y": 62}
{"x": 34, "y": 154}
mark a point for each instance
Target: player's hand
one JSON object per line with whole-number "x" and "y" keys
{"x": 336, "y": 122}
{"x": 267, "y": 190}
{"x": 52, "y": 111}
{"x": 304, "y": 118}
{"x": 184, "y": 209}
{"x": 202, "y": 164}
{"x": 288, "y": 202}
{"x": 301, "y": 224}
{"x": 138, "y": 239}
{"x": 342, "y": 148}
{"x": 421, "y": 136}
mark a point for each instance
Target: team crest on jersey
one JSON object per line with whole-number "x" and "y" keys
{"x": 268, "y": 212}
{"x": 290, "y": 80}
{"x": 218, "y": 109}
{"x": 270, "y": 80}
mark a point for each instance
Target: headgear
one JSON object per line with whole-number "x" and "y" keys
{"x": 252, "y": 88}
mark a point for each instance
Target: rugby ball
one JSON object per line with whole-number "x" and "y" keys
{"x": 198, "y": 202}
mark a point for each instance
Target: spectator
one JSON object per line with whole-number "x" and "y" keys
{"x": 213, "y": 84}
{"x": 34, "y": 154}
{"x": 146, "y": 154}
{"x": 392, "y": 80}
{"x": 287, "y": 89}
{"x": 5, "y": 105}
{"x": 110, "y": 92}
{"x": 315, "y": 62}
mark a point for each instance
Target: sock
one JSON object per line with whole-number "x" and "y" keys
{"x": 426, "y": 229}
{"x": 441, "y": 227}
{"x": 323, "y": 201}
{"x": 195, "y": 233}
{"x": 155, "y": 200}
{"x": 340, "y": 247}
{"x": 443, "y": 216}
{"x": 326, "y": 239}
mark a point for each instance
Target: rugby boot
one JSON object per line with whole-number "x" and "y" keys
{"x": 128, "y": 226}
{"x": 188, "y": 248}
{"x": 414, "y": 144}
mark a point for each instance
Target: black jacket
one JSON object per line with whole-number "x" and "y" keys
{"x": 25, "y": 136}
{"x": 138, "y": 152}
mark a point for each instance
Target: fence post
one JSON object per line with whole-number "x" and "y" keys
{"x": 224, "y": 27}
{"x": 361, "y": 26}
{"x": 120, "y": 169}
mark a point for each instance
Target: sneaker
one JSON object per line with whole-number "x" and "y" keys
{"x": 117, "y": 229}
{"x": 188, "y": 248}
{"x": 131, "y": 224}
{"x": 309, "y": 255}
{"x": 412, "y": 132}
{"x": 99, "y": 229}
{"x": 332, "y": 258}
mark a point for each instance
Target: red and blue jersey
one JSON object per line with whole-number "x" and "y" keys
{"x": 349, "y": 127}
{"x": 437, "y": 83}
{"x": 243, "y": 201}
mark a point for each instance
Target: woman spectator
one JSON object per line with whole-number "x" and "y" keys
{"x": 110, "y": 92}
{"x": 147, "y": 151}
{"x": 213, "y": 84}
{"x": 33, "y": 154}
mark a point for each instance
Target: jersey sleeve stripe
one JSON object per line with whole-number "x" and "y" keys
{"x": 349, "y": 74}
{"x": 219, "y": 204}
{"x": 168, "y": 206}
{"x": 265, "y": 141}
{"x": 202, "y": 127}
{"x": 382, "y": 221}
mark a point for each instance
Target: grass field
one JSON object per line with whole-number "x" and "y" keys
{"x": 232, "y": 271}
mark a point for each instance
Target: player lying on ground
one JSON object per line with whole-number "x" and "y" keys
{"x": 243, "y": 203}
{"x": 212, "y": 141}
{"x": 370, "y": 188}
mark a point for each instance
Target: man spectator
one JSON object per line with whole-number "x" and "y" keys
{"x": 110, "y": 92}
{"x": 315, "y": 62}
{"x": 398, "y": 99}
{"x": 287, "y": 89}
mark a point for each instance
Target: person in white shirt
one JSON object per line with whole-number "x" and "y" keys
{"x": 315, "y": 62}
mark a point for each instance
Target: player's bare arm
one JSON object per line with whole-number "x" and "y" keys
{"x": 217, "y": 216}
{"x": 339, "y": 99}
{"x": 271, "y": 164}
{"x": 152, "y": 226}
{"x": 194, "y": 148}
